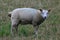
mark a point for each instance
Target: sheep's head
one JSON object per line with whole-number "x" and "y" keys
{"x": 44, "y": 13}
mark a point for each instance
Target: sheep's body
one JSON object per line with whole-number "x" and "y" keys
{"x": 27, "y": 16}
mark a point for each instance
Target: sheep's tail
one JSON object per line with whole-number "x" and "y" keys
{"x": 9, "y": 14}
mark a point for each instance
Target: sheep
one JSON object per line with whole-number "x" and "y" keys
{"x": 25, "y": 16}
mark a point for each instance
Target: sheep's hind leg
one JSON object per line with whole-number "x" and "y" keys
{"x": 14, "y": 27}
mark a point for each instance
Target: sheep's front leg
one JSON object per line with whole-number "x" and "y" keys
{"x": 36, "y": 31}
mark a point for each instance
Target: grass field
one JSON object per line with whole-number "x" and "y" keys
{"x": 48, "y": 30}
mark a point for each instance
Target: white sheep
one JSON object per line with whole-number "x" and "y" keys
{"x": 27, "y": 16}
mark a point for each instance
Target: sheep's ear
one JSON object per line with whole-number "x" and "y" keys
{"x": 49, "y": 10}
{"x": 40, "y": 10}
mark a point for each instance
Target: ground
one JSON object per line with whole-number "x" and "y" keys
{"x": 48, "y": 30}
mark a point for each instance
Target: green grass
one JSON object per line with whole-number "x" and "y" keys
{"x": 48, "y": 30}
